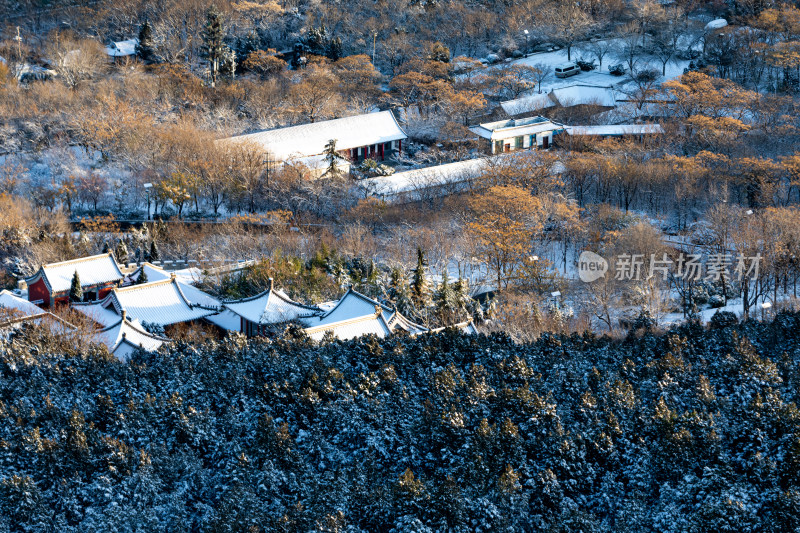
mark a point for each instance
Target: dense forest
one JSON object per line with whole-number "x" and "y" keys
{"x": 694, "y": 429}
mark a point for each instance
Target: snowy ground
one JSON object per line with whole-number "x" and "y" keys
{"x": 599, "y": 77}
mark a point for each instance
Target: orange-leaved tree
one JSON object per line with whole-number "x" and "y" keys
{"x": 503, "y": 222}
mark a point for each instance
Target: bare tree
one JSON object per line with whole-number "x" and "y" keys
{"x": 598, "y": 49}
{"x": 75, "y": 59}
{"x": 541, "y": 72}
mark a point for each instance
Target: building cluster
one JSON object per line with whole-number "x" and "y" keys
{"x": 378, "y": 136}
{"x": 139, "y": 309}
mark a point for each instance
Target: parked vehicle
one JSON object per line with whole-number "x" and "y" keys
{"x": 585, "y": 66}
{"x": 695, "y": 65}
{"x": 566, "y": 70}
{"x": 617, "y": 70}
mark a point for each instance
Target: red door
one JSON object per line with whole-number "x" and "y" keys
{"x": 545, "y": 142}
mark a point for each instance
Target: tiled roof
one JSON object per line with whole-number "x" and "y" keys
{"x": 398, "y": 321}
{"x": 93, "y": 270}
{"x": 351, "y": 306}
{"x": 467, "y": 327}
{"x": 356, "y": 314}
{"x": 310, "y": 139}
{"x": 15, "y": 311}
{"x": 162, "y": 302}
{"x": 156, "y": 273}
{"x": 14, "y": 305}
{"x": 124, "y": 337}
{"x": 352, "y": 328}
{"x": 271, "y": 307}
{"x": 105, "y": 316}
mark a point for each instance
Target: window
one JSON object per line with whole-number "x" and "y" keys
{"x": 498, "y": 147}
{"x": 518, "y": 143}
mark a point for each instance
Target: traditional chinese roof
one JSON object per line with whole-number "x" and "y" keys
{"x": 356, "y": 314}
{"x": 15, "y": 310}
{"x": 95, "y": 310}
{"x": 163, "y": 302}
{"x": 124, "y": 337}
{"x": 12, "y": 304}
{"x": 467, "y": 327}
{"x": 270, "y": 307}
{"x": 93, "y": 271}
{"x": 400, "y": 322}
{"x": 156, "y": 273}
{"x": 310, "y": 139}
{"x": 504, "y": 129}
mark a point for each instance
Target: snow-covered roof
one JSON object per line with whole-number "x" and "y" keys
{"x": 504, "y": 129}
{"x": 94, "y": 310}
{"x": 616, "y": 130}
{"x": 162, "y": 302}
{"x": 15, "y": 311}
{"x": 310, "y": 139}
{"x": 227, "y": 320}
{"x": 124, "y": 337}
{"x": 156, "y": 273}
{"x": 400, "y": 322}
{"x": 357, "y": 327}
{"x": 716, "y": 24}
{"x": 270, "y": 307}
{"x": 356, "y": 314}
{"x": 528, "y": 104}
{"x": 424, "y": 178}
{"x": 153, "y": 273}
{"x": 12, "y": 304}
{"x": 122, "y": 48}
{"x": 94, "y": 270}
{"x": 467, "y": 327}
{"x": 446, "y": 177}
{"x": 571, "y": 95}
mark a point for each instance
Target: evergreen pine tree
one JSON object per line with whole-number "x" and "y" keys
{"x": 75, "y": 290}
{"x": 464, "y": 304}
{"x": 420, "y": 291}
{"x": 399, "y": 292}
{"x": 106, "y": 248}
{"x": 445, "y": 301}
{"x": 145, "y": 48}
{"x": 121, "y": 252}
{"x": 213, "y": 48}
{"x": 315, "y": 40}
{"x": 142, "y": 279}
{"x": 154, "y": 255}
{"x": 332, "y": 157}
{"x": 228, "y": 65}
{"x": 335, "y": 49}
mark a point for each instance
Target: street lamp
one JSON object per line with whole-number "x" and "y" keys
{"x": 147, "y": 187}
{"x": 526, "y": 42}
